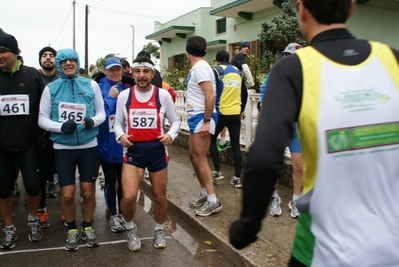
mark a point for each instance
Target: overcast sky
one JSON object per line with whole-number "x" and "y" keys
{"x": 36, "y": 24}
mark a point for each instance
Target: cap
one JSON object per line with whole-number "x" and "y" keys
{"x": 222, "y": 56}
{"x": 291, "y": 48}
{"x": 9, "y": 43}
{"x": 47, "y": 49}
{"x": 243, "y": 44}
{"x": 110, "y": 62}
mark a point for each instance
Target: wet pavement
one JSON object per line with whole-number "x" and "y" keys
{"x": 192, "y": 240}
{"x": 273, "y": 244}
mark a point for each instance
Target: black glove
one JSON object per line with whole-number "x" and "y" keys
{"x": 238, "y": 237}
{"x": 256, "y": 88}
{"x": 68, "y": 127}
{"x": 89, "y": 123}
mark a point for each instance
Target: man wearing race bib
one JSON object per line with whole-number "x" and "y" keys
{"x": 72, "y": 108}
{"x": 344, "y": 95}
{"x": 109, "y": 151}
{"x": 140, "y": 114}
{"x": 20, "y": 90}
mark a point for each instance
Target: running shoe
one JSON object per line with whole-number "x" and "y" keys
{"x": 199, "y": 201}
{"x": 11, "y": 236}
{"x": 72, "y": 240}
{"x": 115, "y": 224}
{"x": 159, "y": 239}
{"x": 51, "y": 193}
{"x": 43, "y": 219}
{"x": 275, "y": 209}
{"x": 35, "y": 233}
{"x": 208, "y": 208}
{"x": 146, "y": 174}
{"x": 133, "y": 242}
{"x": 123, "y": 221}
{"x": 236, "y": 182}
{"x": 293, "y": 208}
{"x": 63, "y": 220}
{"x": 217, "y": 176}
{"x": 223, "y": 147}
{"x": 89, "y": 237}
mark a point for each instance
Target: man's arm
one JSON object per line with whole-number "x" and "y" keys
{"x": 266, "y": 154}
{"x": 248, "y": 74}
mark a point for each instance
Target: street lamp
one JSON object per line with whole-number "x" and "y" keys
{"x": 132, "y": 42}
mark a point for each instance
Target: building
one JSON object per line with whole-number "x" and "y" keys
{"x": 228, "y": 22}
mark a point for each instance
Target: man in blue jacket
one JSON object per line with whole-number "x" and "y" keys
{"x": 71, "y": 108}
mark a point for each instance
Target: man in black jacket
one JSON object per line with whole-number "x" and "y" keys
{"x": 20, "y": 90}
{"x": 344, "y": 95}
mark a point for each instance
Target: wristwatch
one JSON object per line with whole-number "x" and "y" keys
{"x": 207, "y": 120}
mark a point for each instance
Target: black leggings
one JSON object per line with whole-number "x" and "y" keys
{"x": 27, "y": 162}
{"x": 112, "y": 174}
{"x": 47, "y": 168}
{"x": 233, "y": 124}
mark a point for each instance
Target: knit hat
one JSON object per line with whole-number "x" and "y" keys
{"x": 144, "y": 54}
{"x": 222, "y": 56}
{"x": 243, "y": 44}
{"x": 291, "y": 48}
{"x": 47, "y": 49}
{"x": 9, "y": 43}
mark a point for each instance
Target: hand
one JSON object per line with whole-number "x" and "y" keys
{"x": 68, "y": 127}
{"x": 124, "y": 139}
{"x": 204, "y": 130}
{"x": 88, "y": 123}
{"x": 113, "y": 91}
{"x": 165, "y": 139}
{"x": 240, "y": 238}
{"x": 255, "y": 87}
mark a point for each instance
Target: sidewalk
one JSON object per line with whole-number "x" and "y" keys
{"x": 275, "y": 238}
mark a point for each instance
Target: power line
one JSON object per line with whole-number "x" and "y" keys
{"x": 63, "y": 25}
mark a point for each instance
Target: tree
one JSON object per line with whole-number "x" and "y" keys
{"x": 1, "y": 31}
{"x": 275, "y": 36}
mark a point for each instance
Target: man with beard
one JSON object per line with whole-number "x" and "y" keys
{"x": 48, "y": 74}
{"x": 140, "y": 114}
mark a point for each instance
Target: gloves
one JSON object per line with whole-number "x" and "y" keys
{"x": 238, "y": 237}
{"x": 89, "y": 123}
{"x": 68, "y": 127}
{"x": 255, "y": 87}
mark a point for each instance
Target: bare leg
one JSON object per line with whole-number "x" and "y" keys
{"x": 131, "y": 178}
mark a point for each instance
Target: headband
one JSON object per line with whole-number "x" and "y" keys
{"x": 143, "y": 64}
{"x": 195, "y": 52}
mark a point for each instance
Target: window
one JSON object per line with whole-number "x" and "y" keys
{"x": 221, "y": 26}
{"x": 178, "y": 61}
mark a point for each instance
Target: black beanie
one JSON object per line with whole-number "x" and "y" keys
{"x": 9, "y": 43}
{"x": 45, "y": 49}
{"x": 222, "y": 56}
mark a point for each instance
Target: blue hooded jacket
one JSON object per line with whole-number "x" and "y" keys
{"x": 108, "y": 150}
{"x": 72, "y": 90}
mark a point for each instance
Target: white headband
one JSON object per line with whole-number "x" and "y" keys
{"x": 143, "y": 64}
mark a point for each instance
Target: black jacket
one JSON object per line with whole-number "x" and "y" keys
{"x": 20, "y": 132}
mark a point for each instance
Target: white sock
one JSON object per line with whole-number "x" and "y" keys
{"x": 212, "y": 198}
{"x": 222, "y": 141}
{"x": 129, "y": 225}
{"x": 295, "y": 197}
{"x": 203, "y": 191}
{"x": 158, "y": 226}
{"x": 236, "y": 178}
{"x": 43, "y": 209}
{"x": 32, "y": 218}
{"x": 274, "y": 195}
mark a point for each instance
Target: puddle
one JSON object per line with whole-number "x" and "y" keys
{"x": 198, "y": 245}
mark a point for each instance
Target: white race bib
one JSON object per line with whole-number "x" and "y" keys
{"x": 143, "y": 118}
{"x": 13, "y": 105}
{"x": 111, "y": 123}
{"x": 71, "y": 111}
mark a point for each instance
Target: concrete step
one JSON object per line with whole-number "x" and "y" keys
{"x": 275, "y": 238}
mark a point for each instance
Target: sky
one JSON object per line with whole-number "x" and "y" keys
{"x": 36, "y": 24}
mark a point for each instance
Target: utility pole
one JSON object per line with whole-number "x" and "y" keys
{"x": 87, "y": 40}
{"x": 132, "y": 42}
{"x": 73, "y": 27}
